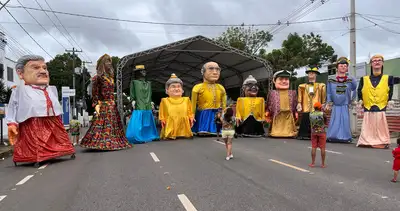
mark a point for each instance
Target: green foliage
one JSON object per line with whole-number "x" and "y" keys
{"x": 5, "y": 92}
{"x": 61, "y": 72}
{"x": 250, "y": 40}
{"x": 299, "y": 51}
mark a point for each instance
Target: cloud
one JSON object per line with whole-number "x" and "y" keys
{"x": 97, "y": 37}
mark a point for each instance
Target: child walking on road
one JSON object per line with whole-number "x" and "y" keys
{"x": 75, "y": 129}
{"x": 228, "y": 131}
{"x": 396, "y": 161}
{"x": 318, "y": 123}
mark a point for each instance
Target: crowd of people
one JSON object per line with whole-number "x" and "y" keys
{"x": 35, "y": 127}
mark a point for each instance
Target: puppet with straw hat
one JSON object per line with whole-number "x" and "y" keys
{"x": 142, "y": 126}
{"x": 175, "y": 112}
{"x": 308, "y": 94}
{"x": 375, "y": 96}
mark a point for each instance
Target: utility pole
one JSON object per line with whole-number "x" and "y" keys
{"x": 84, "y": 83}
{"x": 73, "y": 78}
{"x": 353, "y": 61}
{"x": 353, "y": 37}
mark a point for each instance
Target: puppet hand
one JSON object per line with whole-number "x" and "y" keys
{"x": 192, "y": 121}
{"x": 299, "y": 108}
{"x": 97, "y": 109}
{"x": 133, "y": 104}
{"x": 12, "y": 133}
{"x": 296, "y": 115}
{"x": 152, "y": 105}
{"x": 390, "y": 105}
{"x": 267, "y": 117}
{"x": 238, "y": 122}
{"x": 360, "y": 103}
{"x": 328, "y": 107}
{"x": 163, "y": 123}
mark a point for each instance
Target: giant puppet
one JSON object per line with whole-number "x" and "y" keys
{"x": 175, "y": 112}
{"x": 34, "y": 115}
{"x": 375, "y": 96}
{"x": 308, "y": 94}
{"x": 142, "y": 126}
{"x": 207, "y": 98}
{"x": 339, "y": 99}
{"x": 250, "y": 110}
{"x": 281, "y": 107}
{"x": 106, "y": 130}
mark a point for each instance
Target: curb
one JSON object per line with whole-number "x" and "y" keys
{"x": 6, "y": 153}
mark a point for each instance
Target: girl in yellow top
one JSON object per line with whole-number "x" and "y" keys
{"x": 175, "y": 111}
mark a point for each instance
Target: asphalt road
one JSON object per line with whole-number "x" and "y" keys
{"x": 265, "y": 174}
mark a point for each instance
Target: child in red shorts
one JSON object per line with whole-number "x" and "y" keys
{"x": 318, "y": 123}
{"x": 396, "y": 161}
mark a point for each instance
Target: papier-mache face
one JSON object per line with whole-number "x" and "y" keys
{"x": 281, "y": 79}
{"x": 251, "y": 90}
{"x": 211, "y": 72}
{"x": 34, "y": 73}
{"x": 175, "y": 90}
{"x": 174, "y": 86}
{"x": 343, "y": 65}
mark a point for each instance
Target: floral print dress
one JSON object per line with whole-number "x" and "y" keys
{"x": 106, "y": 131}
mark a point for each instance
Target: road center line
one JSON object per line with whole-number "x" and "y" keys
{"x": 154, "y": 156}
{"x": 2, "y": 197}
{"x": 339, "y": 153}
{"x": 288, "y": 165}
{"x": 24, "y": 180}
{"x": 42, "y": 167}
{"x": 219, "y": 142}
{"x": 186, "y": 203}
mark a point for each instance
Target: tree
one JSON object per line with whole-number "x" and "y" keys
{"x": 61, "y": 72}
{"x": 299, "y": 51}
{"x": 250, "y": 40}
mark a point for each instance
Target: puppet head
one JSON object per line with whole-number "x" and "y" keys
{"x": 342, "y": 65}
{"x": 33, "y": 70}
{"x": 174, "y": 86}
{"x": 376, "y": 64}
{"x": 211, "y": 72}
{"x": 281, "y": 79}
{"x": 312, "y": 73}
{"x": 250, "y": 88}
{"x": 104, "y": 66}
{"x": 140, "y": 71}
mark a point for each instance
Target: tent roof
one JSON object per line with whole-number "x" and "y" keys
{"x": 186, "y": 57}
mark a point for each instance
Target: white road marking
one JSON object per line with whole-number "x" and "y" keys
{"x": 42, "y": 167}
{"x": 154, "y": 156}
{"x": 339, "y": 153}
{"x": 2, "y": 197}
{"x": 24, "y": 180}
{"x": 288, "y": 165}
{"x": 340, "y": 182}
{"x": 186, "y": 203}
{"x": 219, "y": 142}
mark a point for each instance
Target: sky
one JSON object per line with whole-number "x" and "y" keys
{"x": 377, "y": 26}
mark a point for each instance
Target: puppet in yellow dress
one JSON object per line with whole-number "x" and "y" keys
{"x": 250, "y": 110}
{"x": 207, "y": 98}
{"x": 175, "y": 112}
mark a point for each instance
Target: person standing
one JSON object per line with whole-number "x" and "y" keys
{"x": 228, "y": 131}
{"x": 75, "y": 130}
{"x": 318, "y": 123}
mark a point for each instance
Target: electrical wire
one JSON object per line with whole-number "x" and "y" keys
{"x": 28, "y": 33}
{"x": 174, "y": 24}
{"x": 54, "y": 24}
{"x": 41, "y": 25}
{"x": 378, "y": 25}
{"x": 12, "y": 39}
{"x": 65, "y": 28}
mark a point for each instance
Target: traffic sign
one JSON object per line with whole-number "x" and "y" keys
{"x": 67, "y": 92}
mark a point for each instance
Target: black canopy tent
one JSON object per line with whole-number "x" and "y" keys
{"x": 185, "y": 58}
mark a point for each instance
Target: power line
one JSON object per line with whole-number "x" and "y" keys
{"x": 63, "y": 25}
{"x": 376, "y": 24}
{"x": 174, "y": 24}
{"x": 41, "y": 25}
{"x": 54, "y": 24}
{"x": 17, "y": 44}
{"x": 28, "y": 33}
